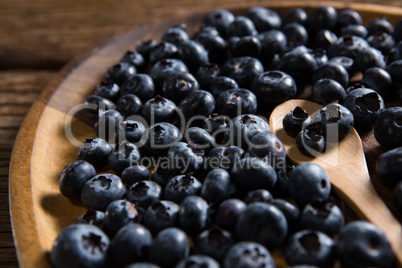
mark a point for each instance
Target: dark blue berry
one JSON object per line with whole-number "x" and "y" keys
{"x": 120, "y": 72}
{"x": 234, "y": 102}
{"x": 216, "y": 186}
{"x": 206, "y": 73}
{"x": 309, "y": 247}
{"x": 248, "y": 254}
{"x": 296, "y": 34}
{"x": 294, "y": 120}
{"x": 140, "y": 85}
{"x": 135, "y": 58}
{"x": 362, "y": 244}
{"x": 193, "y": 215}
{"x": 107, "y": 125}
{"x": 291, "y": 212}
{"x": 348, "y": 46}
{"x": 164, "y": 50}
{"x": 248, "y": 45}
{"x": 178, "y": 86}
{"x": 199, "y": 102}
{"x": 241, "y": 26}
{"x": 128, "y": 104}
{"x": 264, "y": 19}
{"x": 309, "y": 182}
{"x": 159, "y": 138}
{"x": 379, "y": 80}
{"x": 272, "y": 42}
{"x": 220, "y": 19}
{"x": 333, "y": 71}
{"x": 74, "y": 176}
{"x": 134, "y": 174}
{"x": 228, "y": 213}
{"x": 193, "y": 54}
{"x": 369, "y": 57}
{"x": 123, "y": 156}
{"x": 119, "y": 213}
{"x": 388, "y": 128}
{"x": 95, "y": 105}
{"x": 262, "y": 223}
{"x": 355, "y": 29}
{"x": 94, "y": 217}
{"x": 311, "y": 141}
{"x": 242, "y": 70}
{"x": 388, "y": 168}
{"x": 144, "y": 193}
{"x": 323, "y": 17}
{"x": 380, "y": 25}
{"x": 326, "y": 91}
{"x": 185, "y": 157}
{"x": 108, "y": 90}
{"x": 260, "y": 195}
{"x": 159, "y": 109}
{"x": 199, "y": 138}
{"x": 176, "y": 34}
{"x": 269, "y": 148}
{"x": 219, "y": 84}
{"x": 181, "y": 186}
{"x": 169, "y": 247}
{"x": 131, "y": 131}
{"x": 198, "y": 261}
{"x": 101, "y": 190}
{"x": 144, "y": 47}
{"x": 163, "y": 68}
{"x": 81, "y": 245}
{"x": 382, "y": 41}
{"x": 346, "y": 62}
{"x": 95, "y": 151}
{"x": 161, "y": 215}
{"x": 297, "y": 15}
{"x": 131, "y": 244}
{"x": 214, "y": 242}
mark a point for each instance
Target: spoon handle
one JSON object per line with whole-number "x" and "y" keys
{"x": 354, "y": 186}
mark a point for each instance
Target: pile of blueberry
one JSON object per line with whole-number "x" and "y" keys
{"x": 184, "y": 173}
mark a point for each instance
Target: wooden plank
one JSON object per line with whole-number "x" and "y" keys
{"x": 46, "y": 34}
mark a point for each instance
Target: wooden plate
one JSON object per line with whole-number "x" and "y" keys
{"x": 38, "y": 210}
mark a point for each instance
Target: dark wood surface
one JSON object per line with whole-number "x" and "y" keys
{"x": 39, "y": 37}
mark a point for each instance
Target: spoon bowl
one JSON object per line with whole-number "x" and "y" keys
{"x": 346, "y": 166}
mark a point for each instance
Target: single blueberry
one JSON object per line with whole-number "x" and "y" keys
{"x": 74, "y": 176}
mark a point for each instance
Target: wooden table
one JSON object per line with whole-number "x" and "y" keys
{"x": 39, "y": 37}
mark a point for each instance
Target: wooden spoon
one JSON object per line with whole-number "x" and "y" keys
{"x": 347, "y": 170}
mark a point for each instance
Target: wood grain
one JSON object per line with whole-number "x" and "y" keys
{"x": 39, "y": 37}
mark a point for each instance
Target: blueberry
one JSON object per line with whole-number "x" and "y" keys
{"x": 388, "y": 128}
{"x": 262, "y": 223}
{"x": 260, "y": 195}
{"x": 178, "y": 86}
{"x": 216, "y": 185}
{"x": 264, "y": 19}
{"x": 216, "y": 125}
{"x": 74, "y": 176}
{"x": 120, "y": 72}
{"x": 362, "y": 244}
{"x": 311, "y": 141}
{"x": 272, "y": 42}
{"x": 199, "y": 138}
{"x": 169, "y": 247}
{"x": 163, "y": 68}
{"x": 159, "y": 138}
{"x": 299, "y": 65}
{"x": 108, "y": 90}
{"x": 144, "y": 193}
{"x": 128, "y": 104}
{"x": 347, "y": 17}
{"x": 185, "y": 157}
{"x": 309, "y": 182}
{"x": 346, "y": 62}
{"x": 291, "y": 212}
{"x": 134, "y": 174}
{"x": 220, "y": 19}
{"x": 234, "y": 102}
{"x": 388, "y": 167}
{"x": 355, "y": 29}
{"x": 199, "y": 102}
{"x": 323, "y": 216}
{"x": 198, "y": 261}
{"x": 119, "y": 213}
{"x": 326, "y": 91}
{"x": 228, "y": 213}
{"x": 219, "y": 84}
{"x": 380, "y": 25}
{"x": 176, "y": 34}
{"x": 80, "y": 245}
{"x": 297, "y": 15}
{"x": 244, "y": 127}
{"x": 193, "y": 215}
{"x": 123, "y": 156}
{"x": 206, "y": 73}
{"x": 397, "y": 196}
{"x": 335, "y": 114}
{"x": 241, "y": 26}
{"x": 131, "y": 131}
{"x": 131, "y": 244}
{"x": 273, "y": 87}
{"x": 323, "y": 17}
{"x": 242, "y": 70}
{"x": 144, "y": 47}
{"x": 163, "y": 50}
{"x": 310, "y": 247}
{"x": 193, "y": 54}
{"x": 268, "y": 147}
{"x": 134, "y": 58}
{"x": 281, "y": 188}
{"x": 140, "y": 85}
{"x": 214, "y": 242}
{"x": 96, "y": 105}
{"x": 296, "y": 34}
{"x": 365, "y": 104}
{"x": 98, "y": 192}
{"x": 320, "y": 55}
{"x": 369, "y": 57}
{"x": 159, "y": 109}
{"x": 348, "y": 46}
{"x": 248, "y": 254}
{"x": 214, "y": 44}
{"x": 161, "y": 215}
{"x": 95, "y": 151}
{"x": 382, "y": 41}
{"x": 333, "y": 71}
{"x": 163, "y": 175}
{"x": 379, "y": 80}
{"x": 94, "y": 217}
{"x": 248, "y": 45}
{"x": 181, "y": 186}
{"x": 107, "y": 125}
{"x": 294, "y": 120}
{"x": 394, "y": 69}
